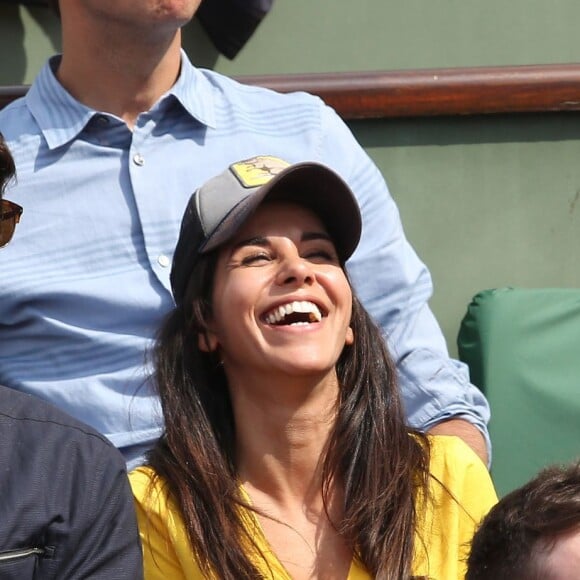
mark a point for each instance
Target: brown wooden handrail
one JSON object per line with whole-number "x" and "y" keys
{"x": 428, "y": 92}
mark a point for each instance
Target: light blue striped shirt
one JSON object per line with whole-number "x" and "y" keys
{"x": 85, "y": 283}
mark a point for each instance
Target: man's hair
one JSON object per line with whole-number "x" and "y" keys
{"x": 523, "y": 526}
{"x": 7, "y": 169}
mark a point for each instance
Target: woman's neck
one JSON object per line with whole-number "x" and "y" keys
{"x": 282, "y": 428}
{"x": 281, "y": 436}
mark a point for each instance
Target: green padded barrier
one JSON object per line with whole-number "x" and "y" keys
{"x": 523, "y": 350}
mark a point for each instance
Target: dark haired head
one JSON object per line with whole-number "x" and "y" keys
{"x": 7, "y": 168}
{"x": 523, "y": 526}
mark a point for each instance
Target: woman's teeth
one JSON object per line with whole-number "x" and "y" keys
{"x": 297, "y": 312}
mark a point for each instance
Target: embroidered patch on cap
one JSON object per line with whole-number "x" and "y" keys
{"x": 258, "y": 170}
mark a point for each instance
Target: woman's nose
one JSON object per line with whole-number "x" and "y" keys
{"x": 295, "y": 270}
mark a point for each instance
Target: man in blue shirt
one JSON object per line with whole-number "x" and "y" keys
{"x": 110, "y": 141}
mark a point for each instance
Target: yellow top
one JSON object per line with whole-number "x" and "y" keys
{"x": 445, "y": 532}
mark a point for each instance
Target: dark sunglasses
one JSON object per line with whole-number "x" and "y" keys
{"x": 10, "y": 213}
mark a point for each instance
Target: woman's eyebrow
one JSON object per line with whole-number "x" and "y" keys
{"x": 265, "y": 243}
{"x": 255, "y": 241}
{"x": 308, "y": 236}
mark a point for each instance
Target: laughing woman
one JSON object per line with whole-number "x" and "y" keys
{"x": 285, "y": 453}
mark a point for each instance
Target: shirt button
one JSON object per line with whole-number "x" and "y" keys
{"x": 163, "y": 260}
{"x": 138, "y": 160}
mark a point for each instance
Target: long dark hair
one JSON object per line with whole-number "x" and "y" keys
{"x": 371, "y": 453}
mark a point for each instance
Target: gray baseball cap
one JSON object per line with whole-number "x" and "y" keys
{"x": 219, "y": 208}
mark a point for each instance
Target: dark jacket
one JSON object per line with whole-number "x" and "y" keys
{"x": 66, "y": 509}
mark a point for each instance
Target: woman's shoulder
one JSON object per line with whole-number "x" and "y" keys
{"x": 142, "y": 476}
{"x": 167, "y": 551}
{"x": 460, "y": 494}
{"x": 449, "y": 451}
{"x": 456, "y": 468}
{"x": 156, "y": 508}
{"x": 149, "y": 489}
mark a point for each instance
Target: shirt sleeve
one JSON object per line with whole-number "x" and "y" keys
{"x": 104, "y": 542}
{"x": 395, "y": 287}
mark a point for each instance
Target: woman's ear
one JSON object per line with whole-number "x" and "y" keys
{"x": 349, "y": 338}
{"x": 207, "y": 341}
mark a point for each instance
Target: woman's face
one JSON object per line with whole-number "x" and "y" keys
{"x": 281, "y": 301}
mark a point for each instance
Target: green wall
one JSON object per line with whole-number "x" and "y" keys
{"x": 486, "y": 201}
{"x": 341, "y": 35}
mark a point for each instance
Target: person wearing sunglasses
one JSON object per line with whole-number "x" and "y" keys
{"x": 66, "y": 509}
{"x": 109, "y": 142}
{"x": 10, "y": 212}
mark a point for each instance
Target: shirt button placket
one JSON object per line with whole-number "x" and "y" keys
{"x": 145, "y": 200}
{"x": 163, "y": 260}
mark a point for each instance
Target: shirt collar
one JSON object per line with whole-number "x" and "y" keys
{"x": 61, "y": 117}
{"x": 195, "y": 93}
{"x": 58, "y": 114}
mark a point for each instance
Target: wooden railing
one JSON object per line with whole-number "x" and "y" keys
{"x": 429, "y": 92}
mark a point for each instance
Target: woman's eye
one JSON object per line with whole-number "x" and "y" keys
{"x": 255, "y": 259}
{"x": 322, "y": 256}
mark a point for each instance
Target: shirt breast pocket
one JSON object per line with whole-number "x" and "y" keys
{"x": 19, "y": 564}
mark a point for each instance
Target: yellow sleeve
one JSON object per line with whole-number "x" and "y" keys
{"x": 167, "y": 552}
{"x": 461, "y": 495}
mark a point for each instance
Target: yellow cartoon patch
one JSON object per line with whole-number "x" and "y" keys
{"x": 258, "y": 170}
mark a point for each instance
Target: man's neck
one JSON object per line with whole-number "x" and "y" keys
{"x": 124, "y": 79}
